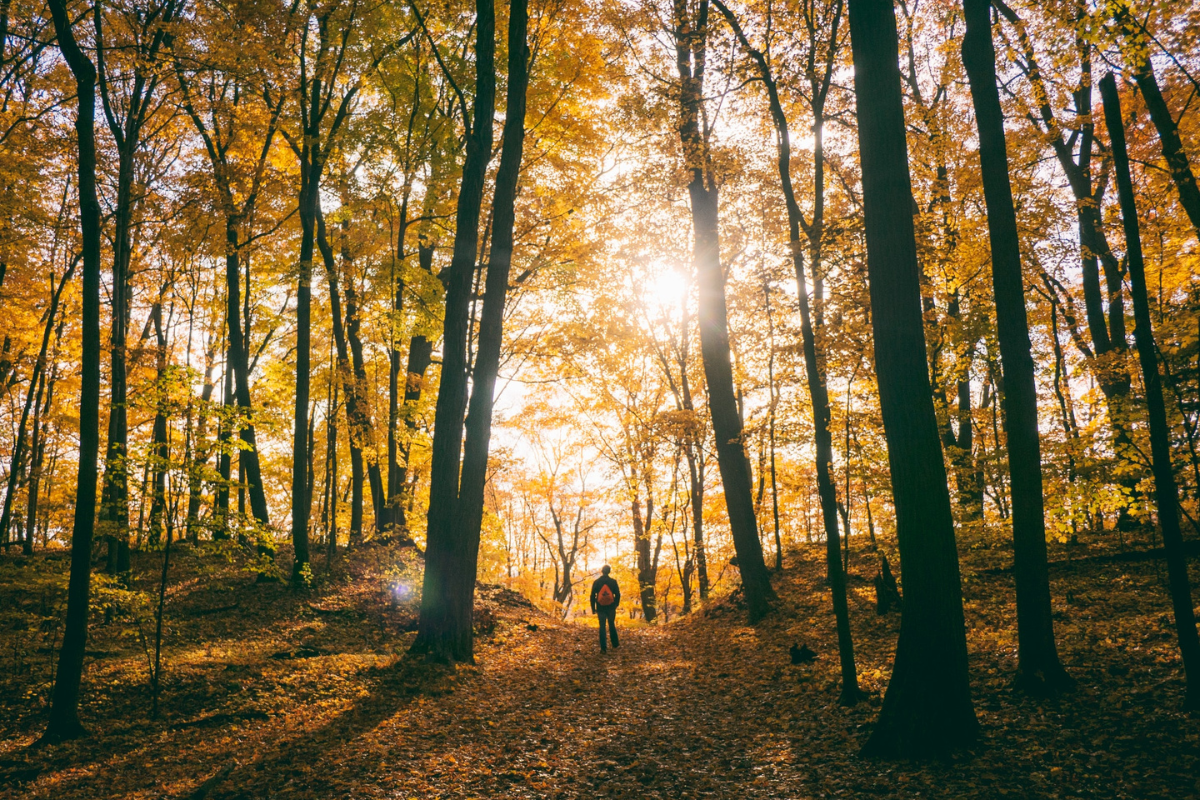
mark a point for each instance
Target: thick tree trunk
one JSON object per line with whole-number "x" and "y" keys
{"x": 927, "y": 709}
{"x": 64, "y": 710}
{"x": 455, "y": 639}
{"x": 445, "y": 621}
{"x": 727, "y": 425}
{"x": 1166, "y": 492}
{"x": 1038, "y": 667}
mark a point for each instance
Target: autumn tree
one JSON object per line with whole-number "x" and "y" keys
{"x": 927, "y": 708}
{"x": 1166, "y": 492}
{"x": 1038, "y": 667}
{"x": 690, "y": 34}
{"x": 64, "y": 710}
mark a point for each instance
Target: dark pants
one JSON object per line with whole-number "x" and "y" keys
{"x": 607, "y": 616}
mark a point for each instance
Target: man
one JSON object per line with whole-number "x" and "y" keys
{"x": 606, "y": 596}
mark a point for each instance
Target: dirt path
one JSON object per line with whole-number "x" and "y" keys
{"x": 311, "y": 698}
{"x": 546, "y": 715}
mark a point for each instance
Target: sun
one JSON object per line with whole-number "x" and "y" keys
{"x": 665, "y": 289}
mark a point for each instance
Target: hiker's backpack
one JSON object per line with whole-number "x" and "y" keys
{"x": 605, "y": 596}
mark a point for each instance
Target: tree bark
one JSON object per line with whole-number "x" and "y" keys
{"x": 1168, "y": 137}
{"x": 1166, "y": 492}
{"x": 127, "y": 134}
{"x": 647, "y": 568}
{"x": 456, "y": 637}
{"x": 814, "y": 373}
{"x": 420, "y": 354}
{"x": 732, "y": 461}
{"x": 159, "y": 448}
{"x": 64, "y": 710}
{"x": 1038, "y": 666}
{"x": 927, "y": 709}
{"x": 35, "y": 381}
{"x": 445, "y": 621}
{"x": 355, "y": 417}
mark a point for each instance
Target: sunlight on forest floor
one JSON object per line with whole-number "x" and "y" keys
{"x": 310, "y": 696}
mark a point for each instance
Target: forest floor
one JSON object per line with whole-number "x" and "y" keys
{"x": 269, "y": 693}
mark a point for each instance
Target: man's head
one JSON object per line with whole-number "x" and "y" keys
{"x": 605, "y": 569}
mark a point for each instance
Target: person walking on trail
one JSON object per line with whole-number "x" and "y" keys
{"x": 606, "y": 596}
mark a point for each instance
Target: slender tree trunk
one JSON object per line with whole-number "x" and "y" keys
{"x": 927, "y": 709}
{"x": 420, "y": 353}
{"x": 1166, "y": 492}
{"x": 694, "y": 452}
{"x": 734, "y": 465}
{"x": 200, "y": 451}
{"x": 1168, "y": 137}
{"x": 647, "y": 577}
{"x": 374, "y": 474}
{"x": 355, "y": 425}
{"x": 239, "y": 365}
{"x": 771, "y": 428}
{"x": 64, "y": 710}
{"x": 814, "y": 373}
{"x": 114, "y": 511}
{"x": 1038, "y": 667}
{"x": 36, "y": 378}
{"x": 445, "y": 621}
{"x": 310, "y": 210}
{"x": 225, "y": 454}
{"x": 36, "y": 448}
{"x": 159, "y": 446}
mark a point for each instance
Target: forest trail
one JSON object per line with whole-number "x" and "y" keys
{"x": 272, "y": 694}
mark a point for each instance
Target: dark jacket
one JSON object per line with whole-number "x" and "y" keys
{"x": 612, "y": 584}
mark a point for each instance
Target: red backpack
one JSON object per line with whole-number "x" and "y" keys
{"x": 605, "y": 596}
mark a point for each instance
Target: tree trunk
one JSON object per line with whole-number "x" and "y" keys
{"x": 355, "y": 425}
{"x": 445, "y": 621}
{"x": 647, "y": 575}
{"x": 64, "y": 710}
{"x": 35, "y": 381}
{"x": 38, "y": 453}
{"x": 159, "y": 447}
{"x": 927, "y": 709}
{"x": 239, "y": 364}
{"x": 420, "y": 352}
{"x": 456, "y": 638}
{"x": 1166, "y": 492}
{"x": 309, "y": 210}
{"x": 225, "y": 455}
{"x": 1168, "y": 137}
{"x": 814, "y": 373}
{"x": 1038, "y": 667}
{"x": 200, "y": 452}
{"x": 366, "y": 426}
{"x": 732, "y": 461}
